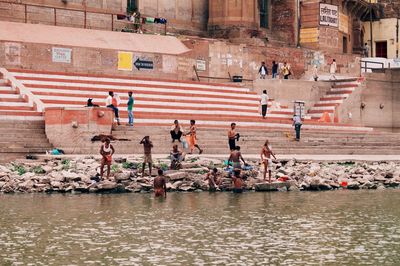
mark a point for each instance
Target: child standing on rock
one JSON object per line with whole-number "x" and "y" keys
{"x": 147, "y": 145}
{"x": 106, "y": 151}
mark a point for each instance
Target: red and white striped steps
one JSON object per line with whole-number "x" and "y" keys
{"x": 338, "y": 93}
{"x": 153, "y": 99}
{"x": 14, "y": 107}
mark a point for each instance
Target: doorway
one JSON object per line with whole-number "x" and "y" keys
{"x": 381, "y": 49}
{"x": 345, "y": 45}
{"x": 131, "y": 6}
{"x": 264, "y": 14}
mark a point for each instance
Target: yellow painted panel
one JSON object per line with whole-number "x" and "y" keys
{"x": 125, "y": 60}
{"x": 309, "y": 35}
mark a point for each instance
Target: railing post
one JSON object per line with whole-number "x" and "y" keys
{"x": 112, "y": 22}
{"x": 84, "y": 19}
{"x": 26, "y": 13}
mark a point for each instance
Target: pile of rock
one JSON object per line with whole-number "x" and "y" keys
{"x": 76, "y": 175}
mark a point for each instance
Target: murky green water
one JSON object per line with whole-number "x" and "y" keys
{"x": 328, "y": 228}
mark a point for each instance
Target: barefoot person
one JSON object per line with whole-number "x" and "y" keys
{"x": 147, "y": 145}
{"x": 237, "y": 182}
{"x": 212, "y": 178}
{"x": 106, "y": 151}
{"x": 193, "y": 138}
{"x": 176, "y": 131}
{"x": 235, "y": 158}
{"x": 112, "y": 102}
{"x": 266, "y": 153}
{"x": 232, "y": 137}
{"x": 160, "y": 185}
{"x": 177, "y": 156}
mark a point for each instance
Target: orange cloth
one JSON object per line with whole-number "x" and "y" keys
{"x": 191, "y": 140}
{"x": 114, "y": 102}
{"x": 325, "y": 118}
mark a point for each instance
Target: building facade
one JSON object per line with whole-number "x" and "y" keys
{"x": 385, "y": 31}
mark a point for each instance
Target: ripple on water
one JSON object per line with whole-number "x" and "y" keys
{"x": 343, "y": 227}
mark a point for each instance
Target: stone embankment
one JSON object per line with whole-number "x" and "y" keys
{"x": 76, "y": 176}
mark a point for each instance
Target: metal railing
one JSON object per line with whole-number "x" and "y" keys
{"x": 85, "y": 12}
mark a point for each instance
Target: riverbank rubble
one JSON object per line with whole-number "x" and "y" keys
{"x": 57, "y": 175}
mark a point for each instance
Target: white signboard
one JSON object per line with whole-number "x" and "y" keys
{"x": 61, "y": 55}
{"x": 328, "y": 15}
{"x": 201, "y": 65}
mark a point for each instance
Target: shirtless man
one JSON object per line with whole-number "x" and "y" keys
{"x": 232, "y": 137}
{"x": 147, "y": 145}
{"x": 106, "y": 151}
{"x": 177, "y": 156}
{"x": 266, "y": 153}
{"x": 213, "y": 181}
{"x": 235, "y": 158}
{"x": 237, "y": 182}
{"x": 160, "y": 185}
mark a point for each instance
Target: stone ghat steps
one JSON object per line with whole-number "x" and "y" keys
{"x": 254, "y": 150}
{"x": 154, "y": 99}
{"x": 18, "y": 138}
{"x": 246, "y": 131}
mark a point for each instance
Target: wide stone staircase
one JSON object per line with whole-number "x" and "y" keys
{"x": 214, "y": 141}
{"x": 18, "y": 138}
{"x": 214, "y": 106}
{"x": 156, "y": 101}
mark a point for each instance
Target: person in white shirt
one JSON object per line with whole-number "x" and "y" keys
{"x": 264, "y": 103}
{"x": 333, "y": 69}
{"x": 297, "y": 126}
{"x": 112, "y": 102}
{"x": 263, "y": 70}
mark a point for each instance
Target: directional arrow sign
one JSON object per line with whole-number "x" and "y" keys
{"x": 143, "y": 64}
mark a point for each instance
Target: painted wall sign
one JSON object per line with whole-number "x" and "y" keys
{"x": 201, "y": 65}
{"x": 328, "y": 15}
{"x": 125, "y": 61}
{"x": 61, "y": 55}
{"x": 13, "y": 53}
{"x": 143, "y": 64}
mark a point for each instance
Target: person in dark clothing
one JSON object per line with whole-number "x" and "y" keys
{"x": 297, "y": 126}
{"x": 274, "y": 69}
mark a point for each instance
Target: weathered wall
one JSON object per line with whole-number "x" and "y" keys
{"x": 382, "y": 30}
{"x": 287, "y": 91}
{"x": 72, "y": 128}
{"x": 381, "y": 96}
{"x": 184, "y": 16}
{"x": 284, "y": 17}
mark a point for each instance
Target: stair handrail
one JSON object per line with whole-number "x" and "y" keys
{"x": 26, "y": 94}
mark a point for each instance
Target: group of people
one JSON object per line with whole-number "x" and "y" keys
{"x": 285, "y": 70}
{"x": 113, "y": 101}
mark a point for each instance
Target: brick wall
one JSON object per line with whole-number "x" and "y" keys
{"x": 283, "y": 20}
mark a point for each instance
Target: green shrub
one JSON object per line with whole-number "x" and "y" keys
{"x": 20, "y": 169}
{"x": 66, "y": 164}
{"x": 39, "y": 170}
{"x": 129, "y": 165}
{"x": 114, "y": 168}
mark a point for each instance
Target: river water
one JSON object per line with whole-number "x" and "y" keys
{"x": 295, "y": 228}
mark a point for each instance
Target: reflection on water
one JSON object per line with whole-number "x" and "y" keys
{"x": 329, "y": 228}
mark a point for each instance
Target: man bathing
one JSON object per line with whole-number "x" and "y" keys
{"x": 212, "y": 178}
{"x": 106, "y": 151}
{"x": 177, "y": 156}
{"x": 237, "y": 182}
{"x": 147, "y": 146}
{"x": 235, "y": 158}
{"x": 160, "y": 185}
{"x": 266, "y": 153}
